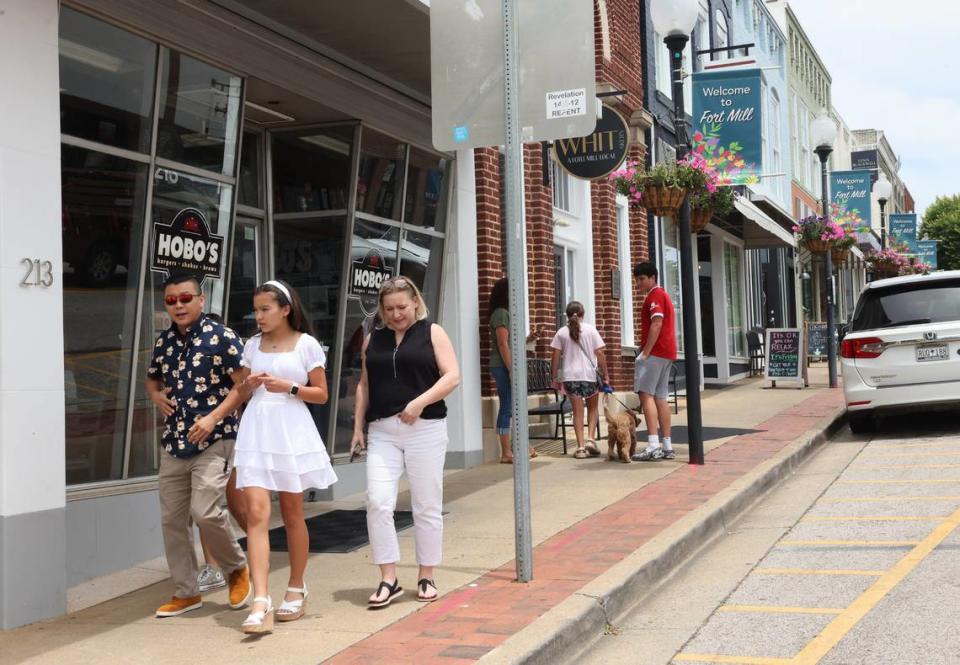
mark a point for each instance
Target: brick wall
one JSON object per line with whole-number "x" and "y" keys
{"x": 621, "y": 72}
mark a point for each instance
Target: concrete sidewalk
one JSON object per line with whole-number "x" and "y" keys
{"x": 603, "y": 532}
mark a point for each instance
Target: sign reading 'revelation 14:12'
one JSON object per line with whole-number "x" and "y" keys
{"x": 727, "y": 124}
{"x": 903, "y": 230}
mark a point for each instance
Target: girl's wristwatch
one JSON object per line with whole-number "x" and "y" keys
{"x": 294, "y": 389}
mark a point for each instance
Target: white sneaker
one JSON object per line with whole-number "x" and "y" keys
{"x": 210, "y": 578}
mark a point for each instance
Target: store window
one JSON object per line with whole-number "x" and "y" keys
{"x": 250, "y": 178}
{"x": 560, "y": 180}
{"x": 380, "y": 182}
{"x": 426, "y": 179}
{"x": 733, "y": 286}
{"x": 311, "y": 170}
{"x": 626, "y": 274}
{"x": 106, "y": 83}
{"x": 670, "y": 272}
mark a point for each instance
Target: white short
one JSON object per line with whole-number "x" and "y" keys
{"x": 652, "y": 376}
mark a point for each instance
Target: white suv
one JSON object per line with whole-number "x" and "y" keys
{"x": 902, "y": 351}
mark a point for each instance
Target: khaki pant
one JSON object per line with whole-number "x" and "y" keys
{"x": 195, "y": 488}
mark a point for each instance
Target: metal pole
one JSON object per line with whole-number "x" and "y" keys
{"x": 823, "y": 153}
{"x": 883, "y": 224}
{"x": 513, "y": 180}
{"x": 688, "y": 279}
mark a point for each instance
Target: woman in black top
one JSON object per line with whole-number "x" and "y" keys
{"x": 408, "y": 368}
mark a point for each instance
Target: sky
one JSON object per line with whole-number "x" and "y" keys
{"x": 895, "y": 67}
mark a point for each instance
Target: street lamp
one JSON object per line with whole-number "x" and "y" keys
{"x": 882, "y": 189}
{"x": 823, "y": 133}
{"x": 675, "y": 20}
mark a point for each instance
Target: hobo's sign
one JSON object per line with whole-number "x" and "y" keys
{"x": 186, "y": 245}
{"x": 596, "y": 155}
{"x": 365, "y": 279}
{"x": 784, "y": 356}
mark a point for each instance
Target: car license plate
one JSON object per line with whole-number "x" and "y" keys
{"x": 932, "y": 352}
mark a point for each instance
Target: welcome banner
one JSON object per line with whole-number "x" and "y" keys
{"x": 903, "y": 230}
{"x": 727, "y": 124}
{"x": 850, "y": 199}
{"x": 928, "y": 252}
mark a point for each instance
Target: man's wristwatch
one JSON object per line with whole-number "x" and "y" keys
{"x": 294, "y": 389}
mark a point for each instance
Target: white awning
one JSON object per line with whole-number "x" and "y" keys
{"x": 759, "y": 230}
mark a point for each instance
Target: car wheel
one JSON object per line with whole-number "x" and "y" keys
{"x": 862, "y": 423}
{"x": 100, "y": 265}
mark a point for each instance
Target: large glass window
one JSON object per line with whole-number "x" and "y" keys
{"x": 380, "y": 182}
{"x": 311, "y": 170}
{"x": 103, "y": 206}
{"x": 732, "y": 259}
{"x": 425, "y": 202}
{"x": 199, "y": 114}
{"x": 670, "y": 272}
{"x": 106, "y": 82}
{"x": 250, "y": 178}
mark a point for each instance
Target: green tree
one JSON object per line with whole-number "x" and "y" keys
{"x": 942, "y": 222}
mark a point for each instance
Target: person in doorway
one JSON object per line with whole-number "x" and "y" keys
{"x": 584, "y": 369}
{"x": 188, "y": 377}
{"x": 651, "y": 374}
{"x": 409, "y": 367}
{"x": 500, "y": 363}
{"x": 278, "y": 446}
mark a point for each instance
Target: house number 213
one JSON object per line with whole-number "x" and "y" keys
{"x": 39, "y": 273}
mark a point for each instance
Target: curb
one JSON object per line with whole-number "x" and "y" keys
{"x": 560, "y": 634}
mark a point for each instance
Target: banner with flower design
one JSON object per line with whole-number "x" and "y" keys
{"x": 928, "y": 252}
{"x": 727, "y": 117}
{"x": 903, "y": 231}
{"x": 850, "y": 198}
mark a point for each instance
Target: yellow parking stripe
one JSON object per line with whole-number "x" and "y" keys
{"x": 881, "y": 481}
{"x": 912, "y": 455}
{"x": 888, "y": 499}
{"x": 849, "y": 543}
{"x": 945, "y": 442}
{"x": 907, "y": 466}
{"x": 732, "y": 660}
{"x": 779, "y": 609}
{"x": 816, "y": 571}
{"x": 837, "y": 629}
{"x": 876, "y": 518}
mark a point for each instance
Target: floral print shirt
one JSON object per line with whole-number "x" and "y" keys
{"x": 195, "y": 367}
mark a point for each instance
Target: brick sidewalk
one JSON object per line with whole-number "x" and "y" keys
{"x": 468, "y": 623}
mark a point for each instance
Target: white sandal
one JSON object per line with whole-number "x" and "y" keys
{"x": 291, "y": 610}
{"x": 260, "y": 621}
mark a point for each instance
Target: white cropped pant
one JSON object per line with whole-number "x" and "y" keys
{"x": 419, "y": 448}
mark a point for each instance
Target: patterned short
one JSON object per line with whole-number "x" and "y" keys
{"x": 581, "y": 389}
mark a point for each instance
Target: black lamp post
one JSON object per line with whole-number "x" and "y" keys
{"x": 823, "y": 132}
{"x": 676, "y": 19}
{"x": 882, "y": 190}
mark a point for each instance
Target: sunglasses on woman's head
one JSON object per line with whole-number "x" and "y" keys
{"x": 183, "y": 298}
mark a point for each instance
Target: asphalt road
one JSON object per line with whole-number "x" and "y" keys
{"x": 853, "y": 560}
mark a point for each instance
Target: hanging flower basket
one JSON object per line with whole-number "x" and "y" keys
{"x": 839, "y": 256}
{"x": 663, "y": 201}
{"x": 699, "y": 218}
{"x": 817, "y": 246}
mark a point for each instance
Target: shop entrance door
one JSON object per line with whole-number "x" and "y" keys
{"x": 246, "y": 273}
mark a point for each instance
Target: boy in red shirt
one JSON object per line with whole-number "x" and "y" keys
{"x": 651, "y": 375}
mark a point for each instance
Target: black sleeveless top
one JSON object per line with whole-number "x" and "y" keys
{"x": 398, "y": 374}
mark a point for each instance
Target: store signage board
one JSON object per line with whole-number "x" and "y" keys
{"x": 850, "y": 195}
{"x": 903, "y": 230}
{"x": 556, "y": 71}
{"x": 865, "y": 160}
{"x": 366, "y": 276}
{"x": 186, "y": 245}
{"x": 727, "y": 123}
{"x": 817, "y": 339}
{"x": 600, "y": 153}
{"x": 784, "y": 357}
{"x": 928, "y": 252}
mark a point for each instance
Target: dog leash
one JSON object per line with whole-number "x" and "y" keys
{"x": 610, "y": 393}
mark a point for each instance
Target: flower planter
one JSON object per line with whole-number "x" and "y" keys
{"x": 817, "y": 246}
{"x": 839, "y": 256}
{"x": 699, "y": 218}
{"x": 663, "y": 201}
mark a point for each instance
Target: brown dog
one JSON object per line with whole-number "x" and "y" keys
{"x": 621, "y": 433}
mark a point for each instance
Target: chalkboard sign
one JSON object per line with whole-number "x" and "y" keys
{"x": 816, "y": 339}
{"x": 784, "y": 355}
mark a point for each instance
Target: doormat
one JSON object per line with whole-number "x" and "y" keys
{"x": 679, "y": 433}
{"x": 339, "y": 531}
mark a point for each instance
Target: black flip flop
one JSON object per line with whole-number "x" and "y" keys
{"x": 422, "y": 588}
{"x": 394, "y": 590}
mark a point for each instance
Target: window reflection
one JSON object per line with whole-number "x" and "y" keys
{"x": 200, "y": 114}
{"x": 416, "y": 252}
{"x": 311, "y": 171}
{"x": 103, "y": 206}
{"x": 106, "y": 82}
{"x": 381, "y": 175}
{"x": 249, "y": 179}
{"x": 425, "y": 203}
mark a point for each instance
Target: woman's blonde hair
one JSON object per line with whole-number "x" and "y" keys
{"x": 396, "y": 285}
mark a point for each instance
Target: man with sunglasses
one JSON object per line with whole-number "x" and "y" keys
{"x": 188, "y": 377}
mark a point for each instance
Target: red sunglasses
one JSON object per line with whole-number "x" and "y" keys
{"x": 183, "y": 297}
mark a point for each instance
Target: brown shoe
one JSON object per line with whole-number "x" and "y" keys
{"x": 240, "y": 588}
{"x": 178, "y": 606}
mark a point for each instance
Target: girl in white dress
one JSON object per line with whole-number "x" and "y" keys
{"x": 278, "y": 447}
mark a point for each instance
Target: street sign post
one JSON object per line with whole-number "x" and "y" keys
{"x": 502, "y": 75}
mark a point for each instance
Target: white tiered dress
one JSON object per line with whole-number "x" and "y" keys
{"x": 278, "y": 446}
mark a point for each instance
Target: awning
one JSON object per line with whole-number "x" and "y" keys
{"x": 759, "y": 230}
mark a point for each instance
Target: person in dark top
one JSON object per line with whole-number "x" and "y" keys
{"x": 409, "y": 367}
{"x": 188, "y": 377}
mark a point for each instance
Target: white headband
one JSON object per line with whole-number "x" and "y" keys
{"x": 277, "y": 285}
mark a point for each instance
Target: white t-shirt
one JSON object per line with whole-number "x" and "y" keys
{"x": 577, "y": 365}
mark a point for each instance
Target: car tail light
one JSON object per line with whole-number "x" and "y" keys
{"x": 867, "y": 347}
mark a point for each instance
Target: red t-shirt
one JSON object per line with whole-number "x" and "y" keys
{"x": 658, "y": 304}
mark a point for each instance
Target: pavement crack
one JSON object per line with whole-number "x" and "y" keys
{"x": 609, "y": 628}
